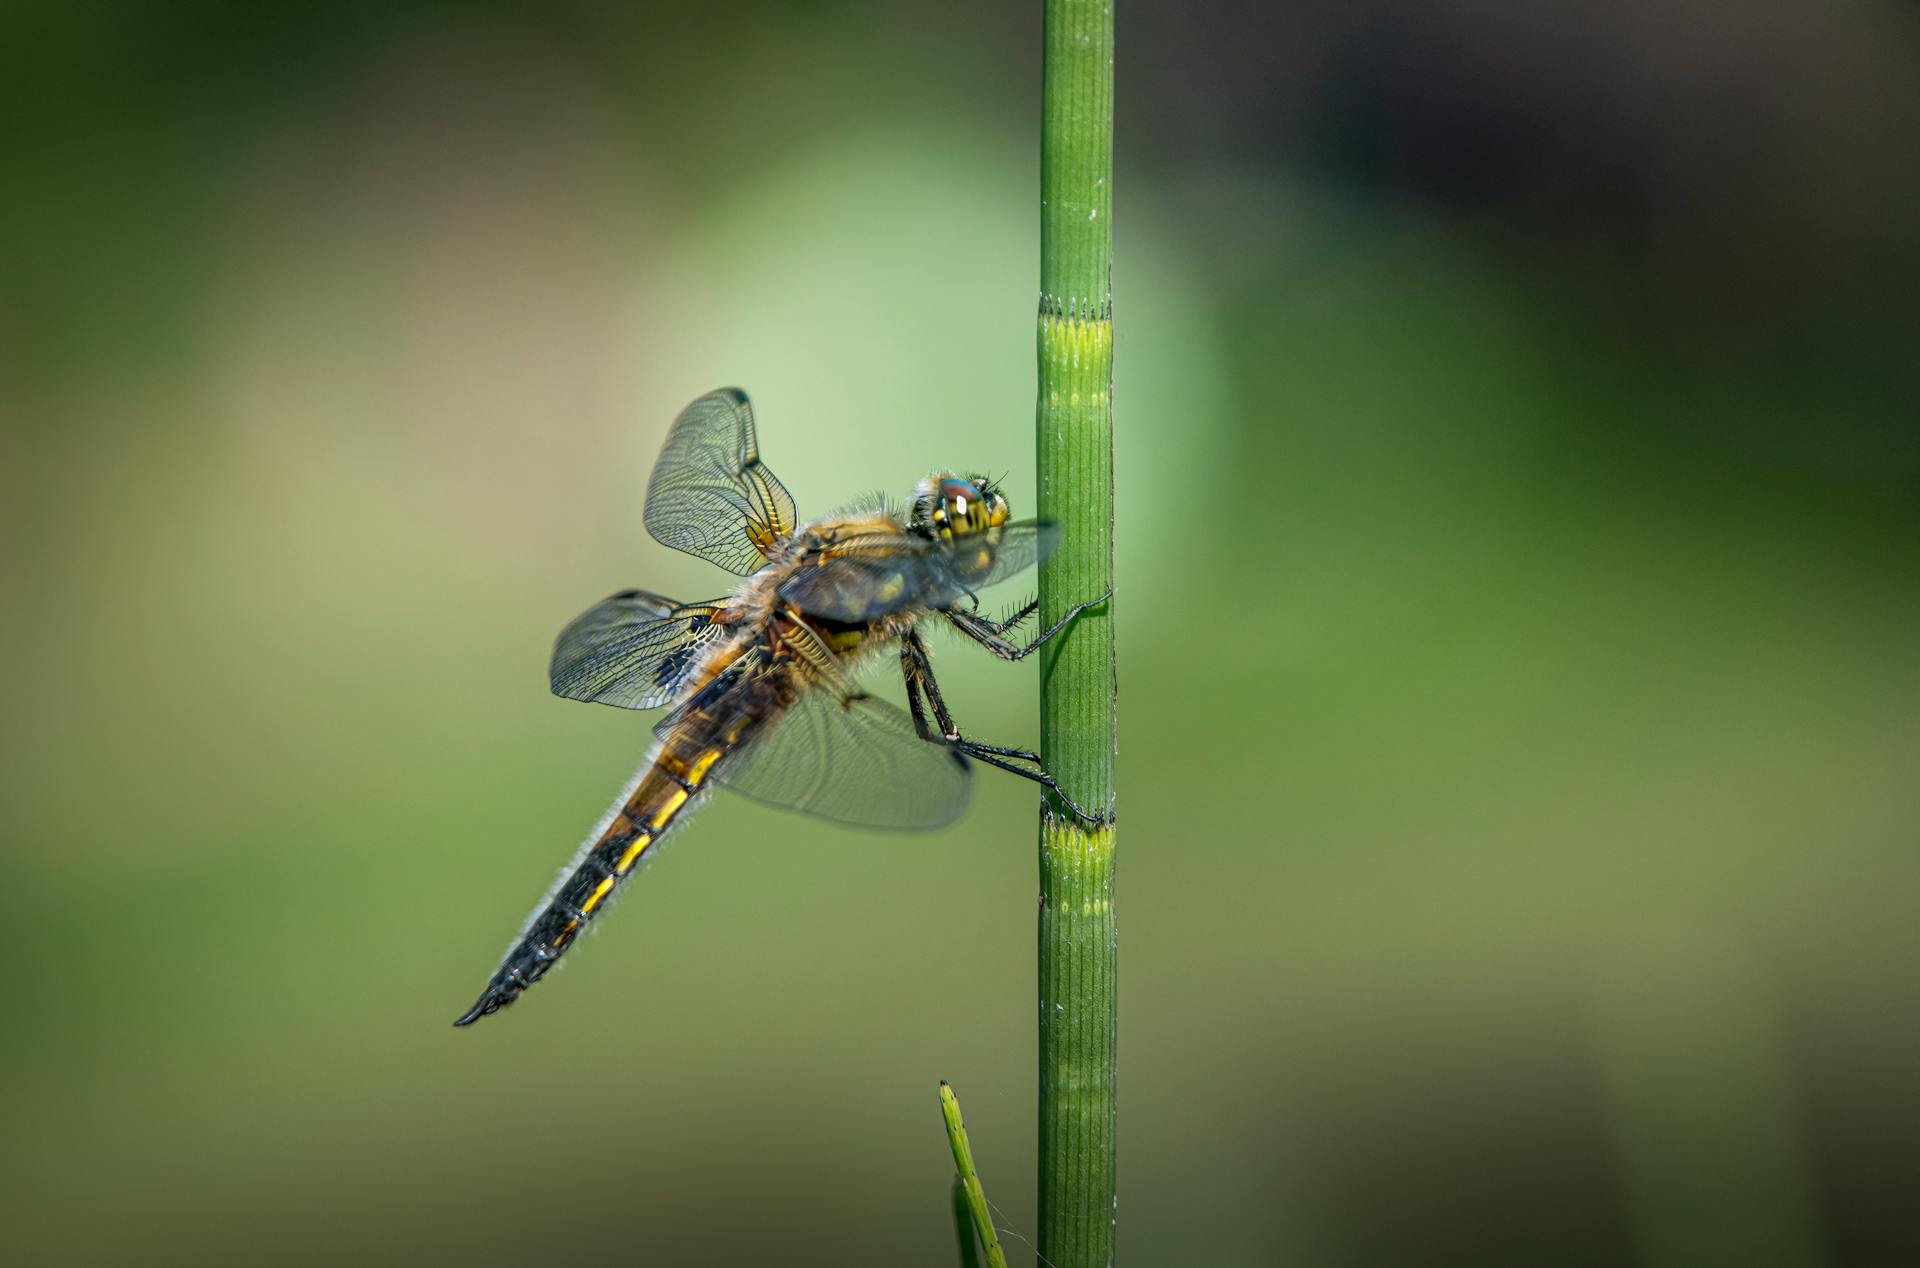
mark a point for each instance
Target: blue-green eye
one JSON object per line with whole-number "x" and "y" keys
{"x": 960, "y": 498}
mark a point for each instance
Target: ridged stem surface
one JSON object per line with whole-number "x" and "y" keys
{"x": 1075, "y": 465}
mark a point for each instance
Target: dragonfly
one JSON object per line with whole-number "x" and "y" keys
{"x": 762, "y": 684}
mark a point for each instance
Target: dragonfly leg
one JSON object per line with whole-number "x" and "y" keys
{"x": 1018, "y": 615}
{"x": 990, "y": 635}
{"x": 915, "y": 705}
{"x": 918, "y": 669}
{"x": 992, "y": 755}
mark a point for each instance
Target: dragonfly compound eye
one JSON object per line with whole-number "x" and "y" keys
{"x": 961, "y": 508}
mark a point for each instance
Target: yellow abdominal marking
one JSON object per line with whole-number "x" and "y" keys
{"x": 701, "y": 765}
{"x": 634, "y": 851}
{"x": 890, "y": 591}
{"x": 669, "y": 808}
{"x": 598, "y": 896}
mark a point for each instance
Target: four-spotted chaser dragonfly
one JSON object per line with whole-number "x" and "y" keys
{"x": 761, "y": 683}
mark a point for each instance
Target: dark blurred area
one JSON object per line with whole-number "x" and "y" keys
{"x": 1520, "y": 702}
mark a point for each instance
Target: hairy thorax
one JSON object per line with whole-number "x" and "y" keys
{"x": 756, "y": 616}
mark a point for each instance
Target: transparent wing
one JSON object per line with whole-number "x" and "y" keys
{"x": 851, "y": 758}
{"x": 709, "y": 494}
{"x": 630, "y": 650}
{"x": 871, "y": 574}
{"x": 1014, "y": 548}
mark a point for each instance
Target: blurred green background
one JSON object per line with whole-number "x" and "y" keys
{"x": 1520, "y": 698}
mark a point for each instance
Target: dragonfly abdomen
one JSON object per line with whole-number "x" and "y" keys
{"x": 672, "y": 777}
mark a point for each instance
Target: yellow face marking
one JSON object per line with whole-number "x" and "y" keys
{"x": 668, "y": 808}
{"x": 599, "y": 895}
{"x": 632, "y": 856}
{"x": 701, "y": 765}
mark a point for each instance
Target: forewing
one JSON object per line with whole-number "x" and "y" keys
{"x": 873, "y": 574}
{"x": 853, "y": 759}
{"x": 1014, "y": 548}
{"x": 630, "y": 650}
{"x": 710, "y": 495}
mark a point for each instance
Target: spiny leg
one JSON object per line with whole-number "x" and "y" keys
{"x": 989, "y": 633}
{"x": 917, "y": 666}
{"x": 1017, "y": 617}
{"x": 918, "y": 669}
{"x": 989, "y": 754}
{"x": 910, "y": 671}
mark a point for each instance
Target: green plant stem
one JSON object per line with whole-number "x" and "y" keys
{"x": 1074, "y": 423}
{"x": 976, "y": 1195}
{"x": 963, "y": 1226}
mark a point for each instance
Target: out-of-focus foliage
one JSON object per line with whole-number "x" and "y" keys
{"x": 1520, "y": 696}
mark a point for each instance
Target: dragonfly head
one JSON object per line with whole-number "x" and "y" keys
{"x": 950, "y": 506}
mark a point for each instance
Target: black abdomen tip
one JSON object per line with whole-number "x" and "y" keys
{"x": 492, "y": 1001}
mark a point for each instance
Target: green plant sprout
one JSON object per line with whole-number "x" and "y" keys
{"x": 972, "y": 1207}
